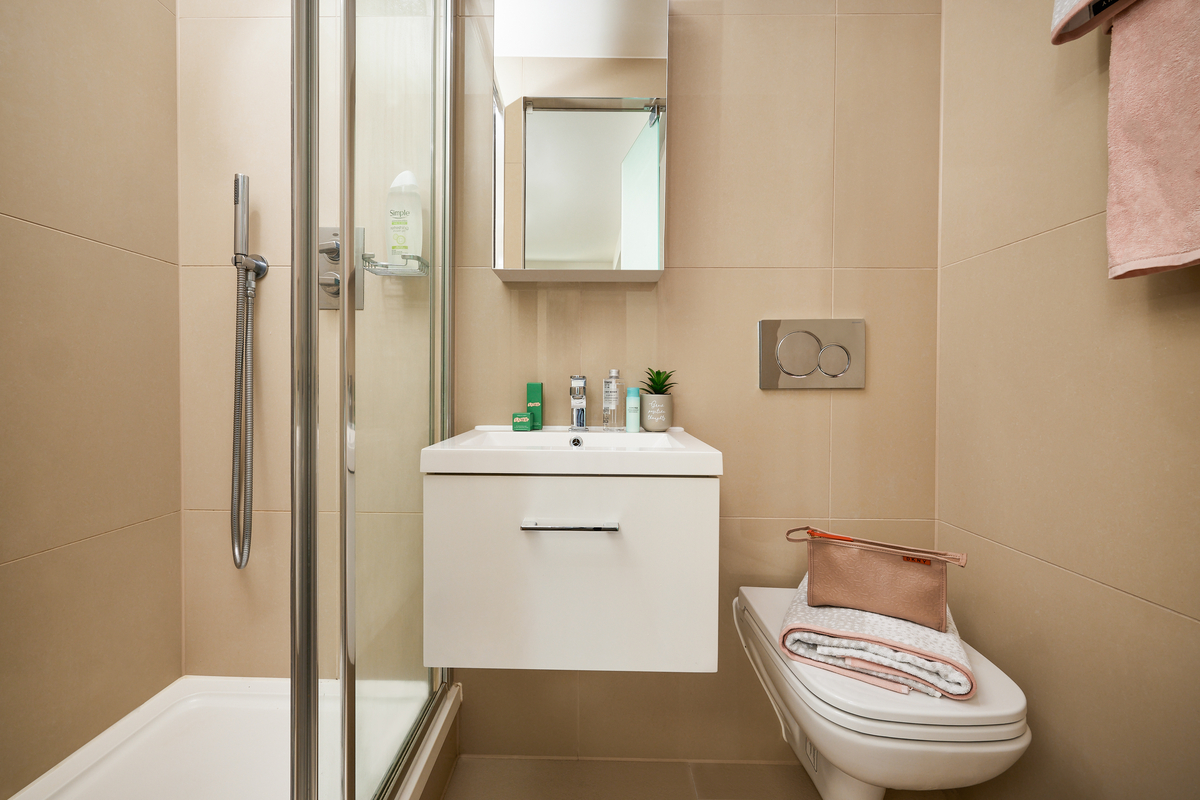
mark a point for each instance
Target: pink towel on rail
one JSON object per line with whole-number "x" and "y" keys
{"x": 1074, "y": 18}
{"x": 1154, "y": 138}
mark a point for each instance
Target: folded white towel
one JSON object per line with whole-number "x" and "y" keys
{"x": 889, "y": 652}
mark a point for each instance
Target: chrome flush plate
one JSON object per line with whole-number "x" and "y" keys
{"x": 812, "y": 354}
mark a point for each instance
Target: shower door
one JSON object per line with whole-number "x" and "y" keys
{"x": 394, "y": 120}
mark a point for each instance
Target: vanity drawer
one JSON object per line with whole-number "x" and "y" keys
{"x": 643, "y": 598}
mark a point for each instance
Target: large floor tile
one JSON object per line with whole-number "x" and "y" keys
{"x": 207, "y": 315}
{"x": 715, "y": 781}
{"x": 883, "y": 439}
{"x": 89, "y": 123}
{"x": 90, "y": 631}
{"x": 750, "y": 141}
{"x": 888, "y": 110}
{"x": 1108, "y": 677}
{"x": 555, "y": 779}
{"x": 90, "y": 389}
{"x": 1068, "y": 412}
{"x": 1025, "y": 126}
{"x": 775, "y": 442}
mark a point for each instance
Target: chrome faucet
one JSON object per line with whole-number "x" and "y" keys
{"x": 578, "y": 403}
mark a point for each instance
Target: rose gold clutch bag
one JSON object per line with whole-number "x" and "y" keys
{"x": 882, "y": 578}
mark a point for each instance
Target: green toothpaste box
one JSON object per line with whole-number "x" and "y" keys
{"x": 533, "y": 402}
{"x": 522, "y": 421}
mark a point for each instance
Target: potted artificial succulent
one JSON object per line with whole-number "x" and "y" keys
{"x": 657, "y": 410}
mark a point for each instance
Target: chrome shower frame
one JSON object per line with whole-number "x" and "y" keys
{"x": 305, "y": 260}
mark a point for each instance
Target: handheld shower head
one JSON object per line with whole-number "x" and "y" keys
{"x": 241, "y": 214}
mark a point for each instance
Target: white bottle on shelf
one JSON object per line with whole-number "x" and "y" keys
{"x": 404, "y": 225}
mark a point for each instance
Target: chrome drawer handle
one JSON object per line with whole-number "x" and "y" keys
{"x": 609, "y": 527}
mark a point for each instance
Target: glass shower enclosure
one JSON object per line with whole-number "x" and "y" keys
{"x": 385, "y": 339}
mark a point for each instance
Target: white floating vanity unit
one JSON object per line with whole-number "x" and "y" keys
{"x": 557, "y": 549}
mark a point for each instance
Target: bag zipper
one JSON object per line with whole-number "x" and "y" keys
{"x": 959, "y": 559}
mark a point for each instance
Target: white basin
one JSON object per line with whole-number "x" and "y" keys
{"x": 498, "y": 449}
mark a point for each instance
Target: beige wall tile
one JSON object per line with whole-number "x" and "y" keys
{"x": 169, "y": 5}
{"x": 882, "y": 453}
{"x": 207, "y": 314}
{"x": 390, "y": 615}
{"x": 1095, "y": 664}
{"x": 750, "y": 159}
{"x": 236, "y": 622}
{"x": 473, "y": 169}
{"x": 90, "y": 631}
{"x": 770, "y": 7}
{"x": 889, "y": 6}
{"x": 908, "y": 532}
{"x": 509, "y": 336}
{"x": 90, "y": 388}
{"x": 89, "y": 121}
{"x": 1024, "y": 127}
{"x": 886, "y": 153}
{"x": 518, "y": 712}
{"x": 234, "y": 116}
{"x": 482, "y": 393}
{"x": 775, "y": 442}
{"x": 1068, "y": 416}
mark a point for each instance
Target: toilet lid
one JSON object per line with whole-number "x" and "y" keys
{"x": 997, "y": 701}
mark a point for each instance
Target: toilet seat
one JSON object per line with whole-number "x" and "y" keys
{"x": 996, "y": 713}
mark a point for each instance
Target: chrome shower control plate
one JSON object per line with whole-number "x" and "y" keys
{"x": 812, "y": 354}
{"x": 327, "y": 300}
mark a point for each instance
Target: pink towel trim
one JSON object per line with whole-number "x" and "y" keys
{"x": 916, "y": 651}
{"x": 891, "y": 686}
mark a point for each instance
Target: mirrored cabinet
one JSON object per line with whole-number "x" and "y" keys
{"x": 580, "y": 103}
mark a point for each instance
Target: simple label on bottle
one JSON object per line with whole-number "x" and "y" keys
{"x": 398, "y": 217}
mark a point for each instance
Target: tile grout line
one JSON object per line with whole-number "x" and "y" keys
{"x": 1025, "y": 239}
{"x": 1071, "y": 572}
{"x": 93, "y": 536}
{"x": 86, "y": 239}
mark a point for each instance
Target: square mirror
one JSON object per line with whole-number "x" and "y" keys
{"x": 580, "y": 123}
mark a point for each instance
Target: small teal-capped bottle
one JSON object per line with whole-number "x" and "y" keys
{"x": 633, "y": 409}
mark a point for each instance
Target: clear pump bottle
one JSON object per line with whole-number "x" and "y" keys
{"x": 614, "y": 391}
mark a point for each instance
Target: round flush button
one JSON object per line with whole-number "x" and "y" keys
{"x": 833, "y": 360}
{"x": 797, "y": 354}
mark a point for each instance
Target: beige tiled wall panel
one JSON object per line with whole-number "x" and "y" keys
{"x": 889, "y": 6}
{"x": 234, "y": 116}
{"x": 1024, "y": 126}
{"x": 886, "y": 135}
{"x": 90, "y": 381}
{"x": 750, "y": 141}
{"x": 883, "y": 436}
{"x": 775, "y": 442}
{"x": 90, "y": 631}
{"x": 508, "y": 337}
{"x": 237, "y": 622}
{"x": 1109, "y": 677}
{"x": 207, "y": 314}
{"x": 88, "y": 128}
{"x": 1068, "y": 412}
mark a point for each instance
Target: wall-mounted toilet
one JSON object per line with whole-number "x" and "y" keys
{"x": 857, "y": 740}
